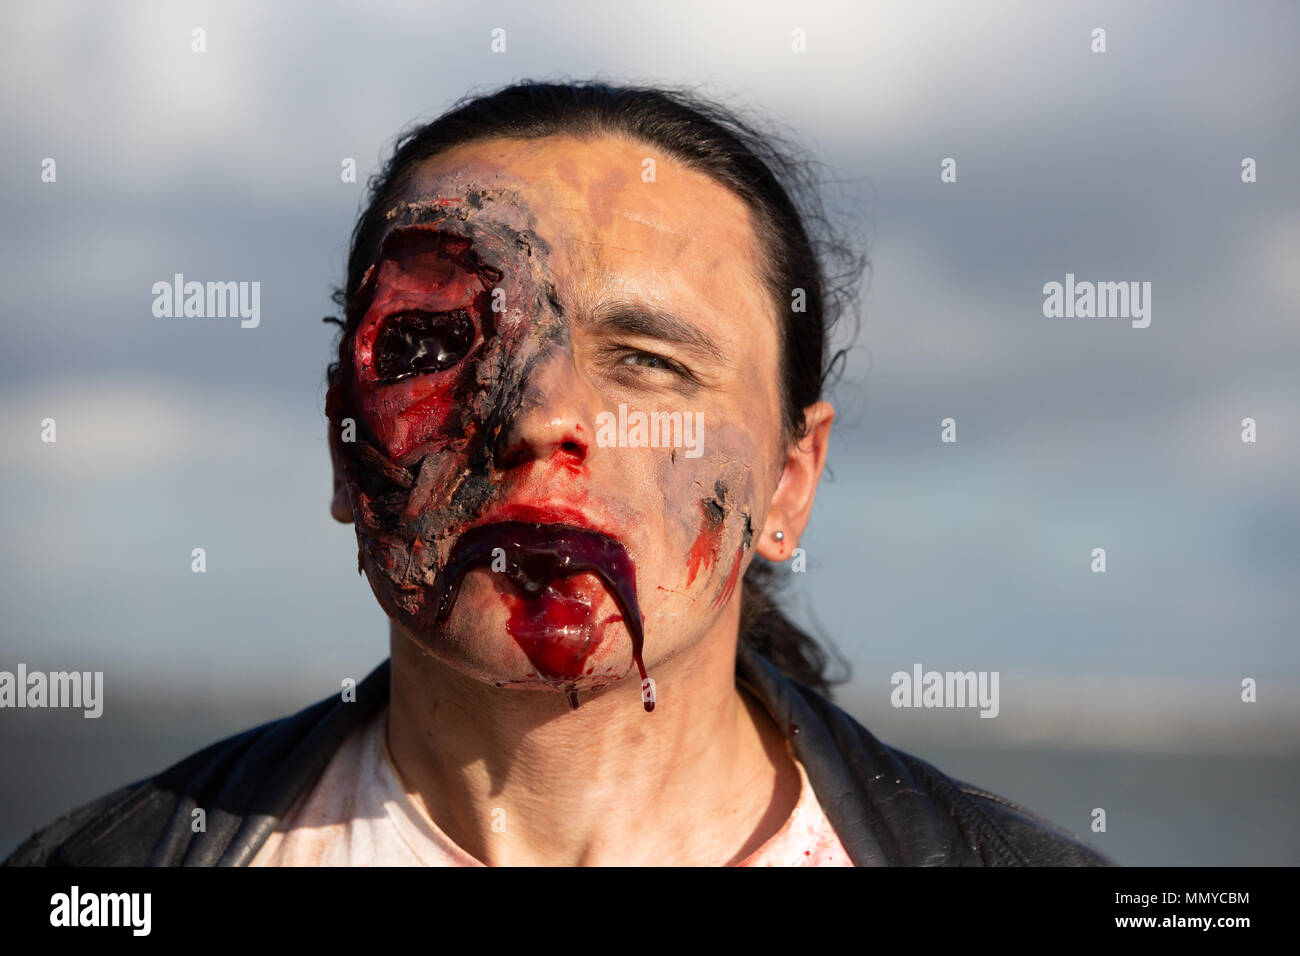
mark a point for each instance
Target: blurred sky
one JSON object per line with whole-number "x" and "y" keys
{"x": 1073, "y": 433}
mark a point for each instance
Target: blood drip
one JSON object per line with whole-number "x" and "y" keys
{"x": 730, "y": 584}
{"x": 536, "y": 555}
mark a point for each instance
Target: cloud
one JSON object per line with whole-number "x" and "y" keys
{"x": 111, "y": 428}
{"x": 224, "y": 165}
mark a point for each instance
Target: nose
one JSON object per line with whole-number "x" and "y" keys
{"x": 554, "y": 419}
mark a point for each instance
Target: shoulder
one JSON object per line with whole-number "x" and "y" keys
{"x": 123, "y": 827}
{"x": 891, "y": 808}
{"x": 1000, "y": 830}
{"x": 215, "y": 807}
{"x": 1042, "y": 842}
{"x": 40, "y": 847}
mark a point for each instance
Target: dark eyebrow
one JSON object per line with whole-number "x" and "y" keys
{"x": 652, "y": 322}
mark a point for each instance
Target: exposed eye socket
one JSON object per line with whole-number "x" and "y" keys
{"x": 417, "y": 343}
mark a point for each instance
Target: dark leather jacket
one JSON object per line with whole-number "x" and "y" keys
{"x": 887, "y": 807}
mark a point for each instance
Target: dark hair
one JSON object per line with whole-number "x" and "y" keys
{"x": 760, "y": 168}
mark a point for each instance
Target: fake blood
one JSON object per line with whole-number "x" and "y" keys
{"x": 552, "y": 621}
{"x": 429, "y": 311}
{"x": 730, "y": 584}
{"x": 555, "y": 629}
{"x": 436, "y": 381}
{"x": 704, "y": 552}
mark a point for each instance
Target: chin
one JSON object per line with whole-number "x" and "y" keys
{"x": 570, "y": 639}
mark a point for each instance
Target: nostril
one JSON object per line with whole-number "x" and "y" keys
{"x": 572, "y": 447}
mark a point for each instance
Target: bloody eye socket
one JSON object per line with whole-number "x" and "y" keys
{"x": 417, "y": 343}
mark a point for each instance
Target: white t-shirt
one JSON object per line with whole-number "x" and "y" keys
{"x": 359, "y": 814}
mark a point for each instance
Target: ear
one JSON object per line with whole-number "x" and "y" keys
{"x": 792, "y": 502}
{"x": 340, "y": 504}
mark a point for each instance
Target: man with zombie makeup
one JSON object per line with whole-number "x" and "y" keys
{"x": 586, "y": 666}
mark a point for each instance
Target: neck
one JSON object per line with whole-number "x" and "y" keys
{"x": 703, "y": 780}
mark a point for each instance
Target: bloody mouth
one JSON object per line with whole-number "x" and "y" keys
{"x": 551, "y": 620}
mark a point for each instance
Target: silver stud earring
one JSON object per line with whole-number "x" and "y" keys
{"x": 779, "y": 535}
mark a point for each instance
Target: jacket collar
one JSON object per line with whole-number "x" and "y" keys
{"x": 813, "y": 743}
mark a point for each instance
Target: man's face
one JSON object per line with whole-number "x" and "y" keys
{"x": 538, "y": 315}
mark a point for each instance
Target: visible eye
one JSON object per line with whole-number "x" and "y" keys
{"x": 637, "y": 368}
{"x": 648, "y": 360}
{"x": 626, "y": 357}
{"x": 417, "y": 343}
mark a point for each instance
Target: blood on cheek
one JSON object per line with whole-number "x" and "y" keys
{"x": 707, "y": 549}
